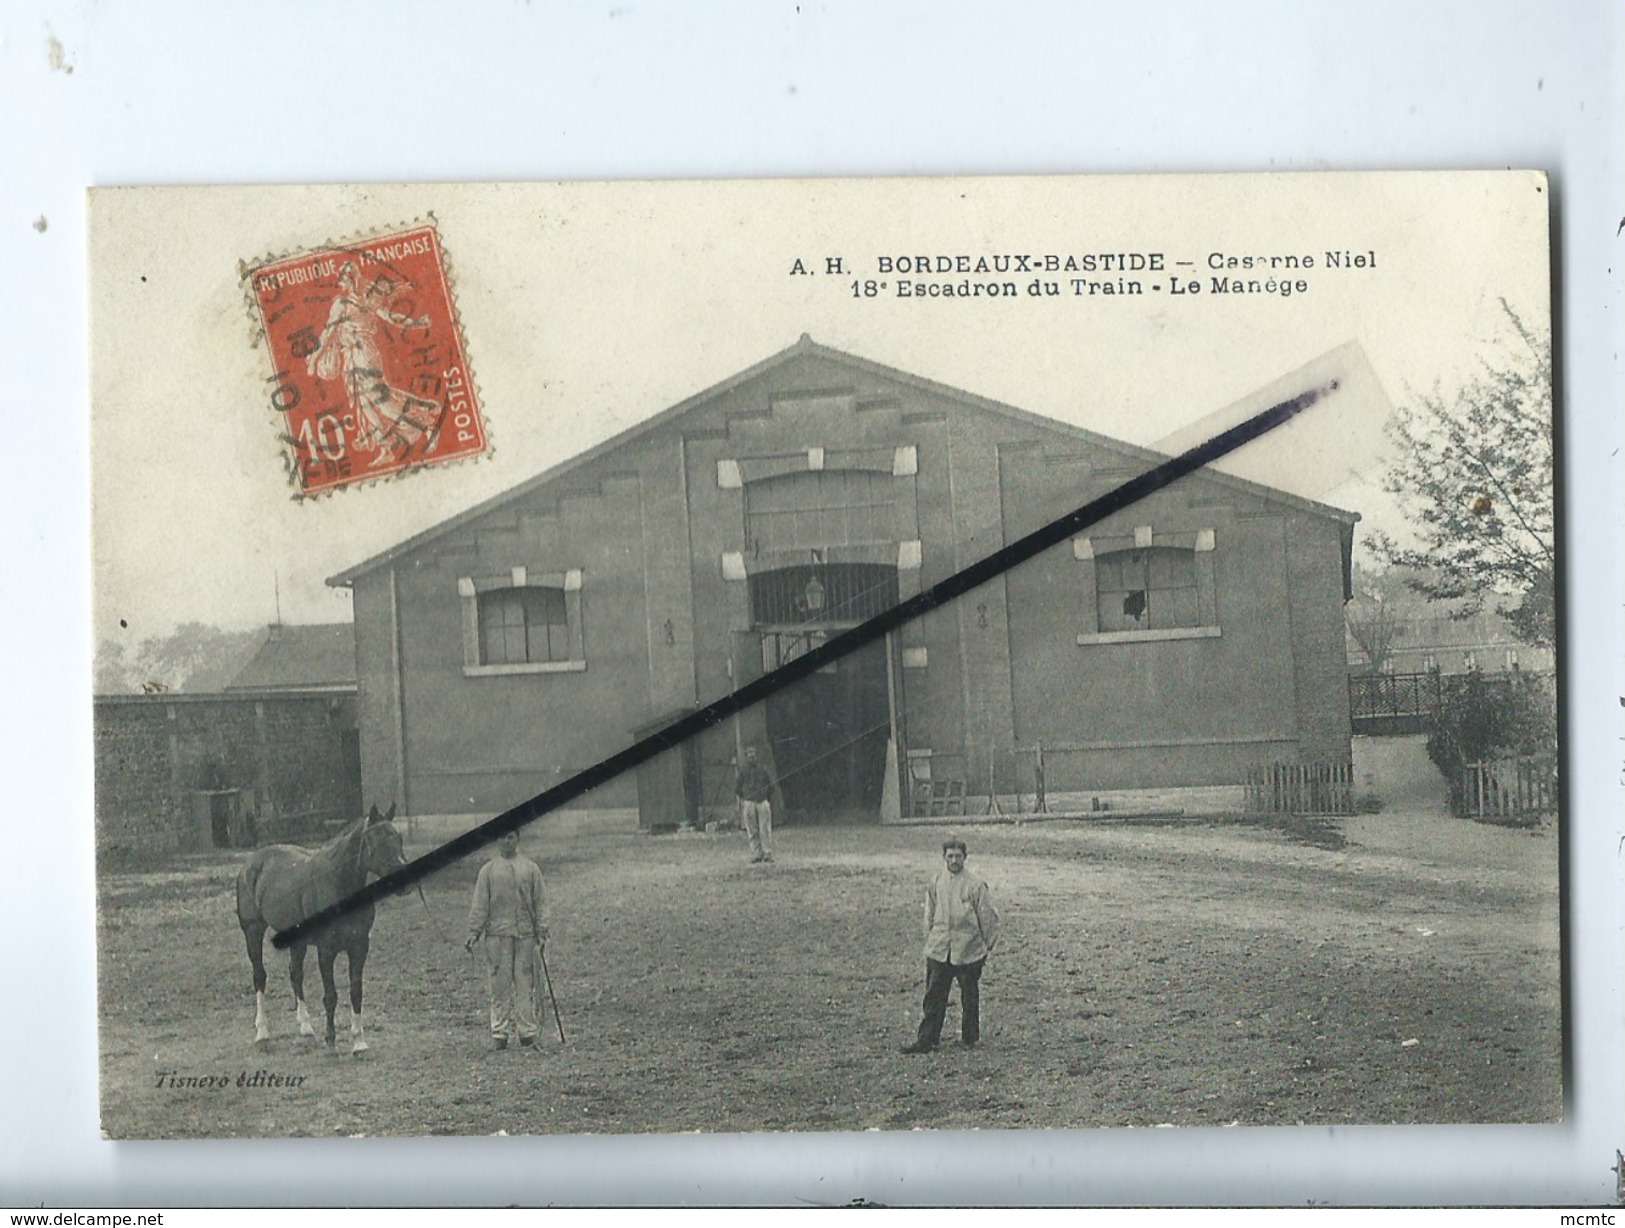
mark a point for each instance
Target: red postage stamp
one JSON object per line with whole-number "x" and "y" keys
{"x": 369, "y": 374}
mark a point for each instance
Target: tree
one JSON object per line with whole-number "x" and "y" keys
{"x": 192, "y": 657}
{"x": 1474, "y": 478}
{"x": 1379, "y": 613}
{"x": 112, "y": 670}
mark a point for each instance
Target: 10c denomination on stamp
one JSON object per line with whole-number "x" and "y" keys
{"x": 369, "y": 372}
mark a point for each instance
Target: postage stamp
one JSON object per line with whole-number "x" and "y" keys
{"x": 369, "y": 373}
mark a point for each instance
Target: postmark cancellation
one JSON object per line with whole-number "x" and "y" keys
{"x": 369, "y": 374}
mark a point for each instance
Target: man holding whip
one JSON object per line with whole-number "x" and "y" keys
{"x": 507, "y": 913}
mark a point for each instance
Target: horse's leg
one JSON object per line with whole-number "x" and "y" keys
{"x": 296, "y": 977}
{"x": 254, "y": 936}
{"x": 325, "y": 956}
{"x": 357, "y": 961}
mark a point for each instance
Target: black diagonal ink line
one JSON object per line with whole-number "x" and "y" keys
{"x": 714, "y": 713}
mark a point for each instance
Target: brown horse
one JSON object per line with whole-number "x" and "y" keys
{"x": 281, "y": 885}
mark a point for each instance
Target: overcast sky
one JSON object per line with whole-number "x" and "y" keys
{"x": 590, "y": 308}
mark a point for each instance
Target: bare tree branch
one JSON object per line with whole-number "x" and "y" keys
{"x": 1474, "y": 477}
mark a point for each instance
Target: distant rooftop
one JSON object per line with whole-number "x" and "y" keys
{"x": 317, "y": 657}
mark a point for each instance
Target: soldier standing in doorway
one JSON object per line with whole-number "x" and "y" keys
{"x": 754, "y": 789}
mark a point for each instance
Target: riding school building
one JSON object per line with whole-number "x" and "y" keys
{"x": 1179, "y": 642}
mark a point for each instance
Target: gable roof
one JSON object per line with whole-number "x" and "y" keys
{"x": 314, "y": 657}
{"x": 806, "y": 346}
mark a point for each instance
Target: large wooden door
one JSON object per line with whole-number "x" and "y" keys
{"x": 828, "y": 732}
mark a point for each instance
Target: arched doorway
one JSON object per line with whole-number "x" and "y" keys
{"x": 829, "y": 730}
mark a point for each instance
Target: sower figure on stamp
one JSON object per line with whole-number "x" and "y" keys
{"x": 961, "y": 927}
{"x": 507, "y": 914}
{"x": 387, "y": 419}
{"x": 754, "y": 789}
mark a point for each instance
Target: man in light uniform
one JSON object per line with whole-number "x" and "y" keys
{"x": 961, "y": 926}
{"x": 507, "y": 913}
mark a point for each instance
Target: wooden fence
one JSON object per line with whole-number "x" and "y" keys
{"x": 1301, "y": 788}
{"x": 1517, "y": 790}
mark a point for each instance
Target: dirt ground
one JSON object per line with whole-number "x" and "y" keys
{"x": 1386, "y": 968}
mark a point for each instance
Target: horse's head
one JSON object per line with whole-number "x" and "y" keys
{"x": 381, "y": 848}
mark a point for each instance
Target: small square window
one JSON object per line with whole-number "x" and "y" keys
{"x": 1150, "y": 589}
{"x": 532, "y": 627}
{"x": 523, "y": 626}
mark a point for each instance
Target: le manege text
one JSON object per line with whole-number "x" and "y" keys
{"x": 1088, "y": 275}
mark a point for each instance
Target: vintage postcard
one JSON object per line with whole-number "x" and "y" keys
{"x": 1228, "y": 799}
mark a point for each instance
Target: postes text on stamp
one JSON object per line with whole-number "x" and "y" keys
{"x": 369, "y": 374}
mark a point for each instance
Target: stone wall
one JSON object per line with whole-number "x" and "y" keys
{"x": 272, "y": 766}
